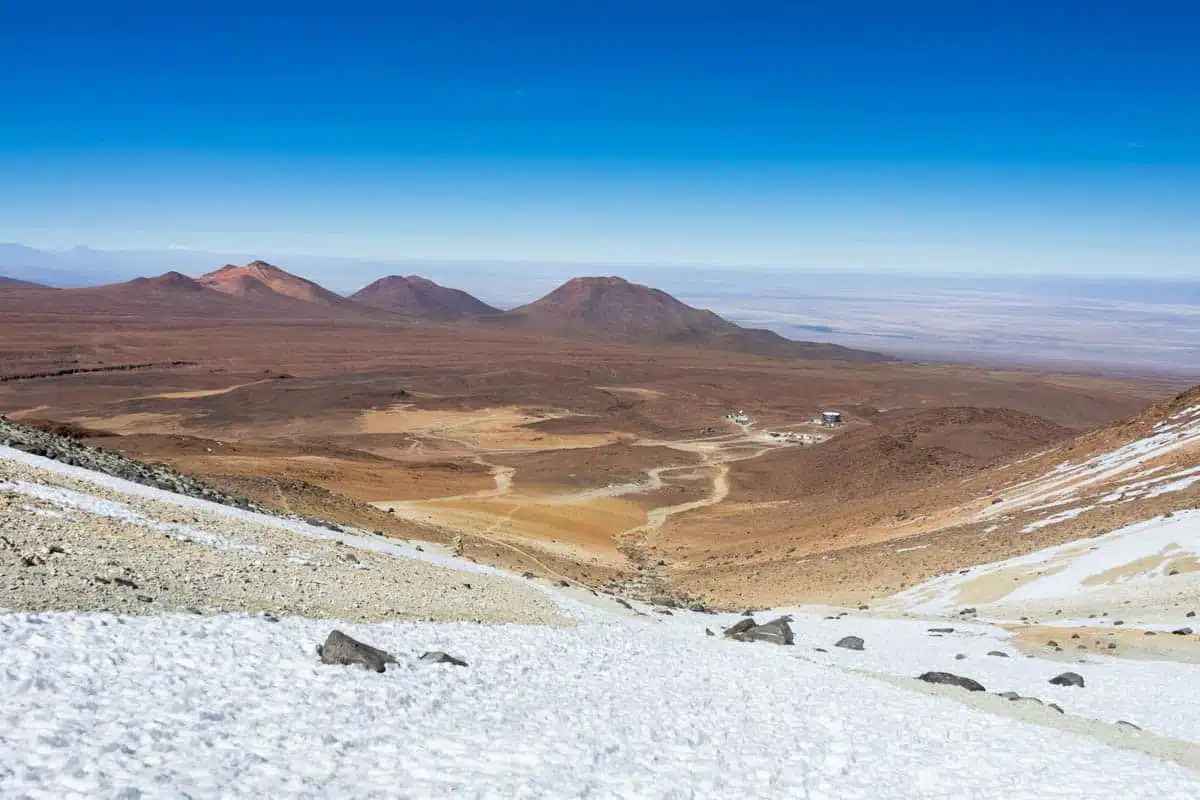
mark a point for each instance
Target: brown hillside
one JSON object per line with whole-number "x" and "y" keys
{"x": 419, "y": 297}
{"x": 615, "y": 308}
{"x": 259, "y": 277}
{"x": 903, "y": 454}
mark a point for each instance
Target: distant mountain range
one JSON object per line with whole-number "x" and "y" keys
{"x": 608, "y": 308}
{"x": 14, "y": 283}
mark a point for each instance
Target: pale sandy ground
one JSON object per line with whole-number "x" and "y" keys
{"x": 490, "y": 429}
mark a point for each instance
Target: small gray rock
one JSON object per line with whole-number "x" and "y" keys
{"x": 1124, "y": 724}
{"x": 1068, "y": 679}
{"x": 342, "y": 649}
{"x": 438, "y": 657}
{"x": 960, "y": 657}
{"x": 941, "y": 630}
{"x": 850, "y": 643}
{"x": 1009, "y": 695}
{"x": 997, "y": 654}
{"x": 1056, "y": 707}
{"x": 950, "y": 679}
{"x": 1182, "y": 631}
{"x": 707, "y": 632}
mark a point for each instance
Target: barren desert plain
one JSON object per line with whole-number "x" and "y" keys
{"x": 592, "y": 459}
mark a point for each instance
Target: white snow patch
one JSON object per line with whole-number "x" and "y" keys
{"x": 233, "y": 706}
{"x": 1054, "y": 519}
{"x": 1064, "y": 571}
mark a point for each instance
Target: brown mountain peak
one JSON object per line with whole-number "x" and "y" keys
{"x": 613, "y": 307}
{"x": 171, "y": 280}
{"x": 259, "y": 278}
{"x": 416, "y": 296}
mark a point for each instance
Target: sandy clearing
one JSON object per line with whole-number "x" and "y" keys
{"x": 141, "y": 422}
{"x": 584, "y": 531}
{"x": 197, "y": 393}
{"x": 488, "y": 430}
{"x": 1130, "y": 642}
{"x": 637, "y": 391}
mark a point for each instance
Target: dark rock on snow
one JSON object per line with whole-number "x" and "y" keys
{"x": 997, "y": 654}
{"x": 341, "y": 649}
{"x": 850, "y": 643}
{"x": 777, "y": 631}
{"x": 1068, "y": 679}
{"x": 739, "y": 628}
{"x": 950, "y": 679}
{"x": 438, "y": 657}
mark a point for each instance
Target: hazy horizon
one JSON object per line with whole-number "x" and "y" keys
{"x": 1149, "y": 324}
{"x": 625, "y": 132}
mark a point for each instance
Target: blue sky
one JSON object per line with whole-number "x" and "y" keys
{"x": 946, "y": 137}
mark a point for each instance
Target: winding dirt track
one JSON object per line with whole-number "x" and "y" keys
{"x": 500, "y": 514}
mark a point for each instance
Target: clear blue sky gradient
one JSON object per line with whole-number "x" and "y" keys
{"x": 978, "y": 136}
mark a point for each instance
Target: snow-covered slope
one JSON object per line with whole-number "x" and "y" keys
{"x": 237, "y": 704}
{"x": 1150, "y": 565}
{"x": 1145, "y": 468}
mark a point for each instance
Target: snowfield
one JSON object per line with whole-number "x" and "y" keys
{"x": 616, "y": 706}
{"x": 174, "y": 706}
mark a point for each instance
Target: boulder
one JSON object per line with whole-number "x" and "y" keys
{"x": 950, "y": 679}
{"x": 850, "y": 643}
{"x": 941, "y": 630}
{"x": 998, "y": 653}
{"x": 739, "y": 628}
{"x": 1182, "y": 631}
{"x": 342, "y": 649}
{"x": 777, "y": 631}
{"x": 438, "y": 657}
{"x": 1068, "y": 679}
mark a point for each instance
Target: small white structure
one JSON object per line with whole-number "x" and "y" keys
{"x": 831, "y": 418}
{"x": 738, "y": 417}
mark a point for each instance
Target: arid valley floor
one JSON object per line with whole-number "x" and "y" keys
{"x": 572, "y": 458}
